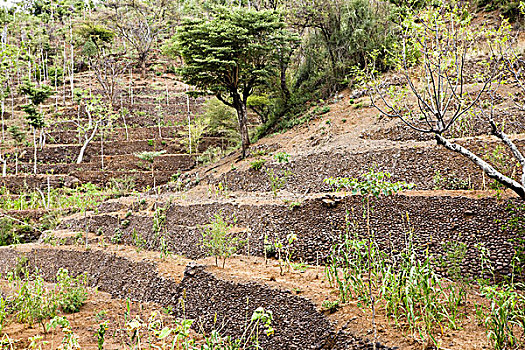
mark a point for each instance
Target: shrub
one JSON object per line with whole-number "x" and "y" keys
{"x": 218, "y": 240}
{"x": 222, "y": 120}
{"x": 282, "y": 157}
{"x": 257, "y": 164}
{"x": 72, "y": 293}
{"x": 278, "y": 179}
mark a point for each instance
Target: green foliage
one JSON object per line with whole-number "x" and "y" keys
{"x": 56, "y": 75}
{"x": 343, "y": 36}
{"x": 192, "y": 136}
{"x": 413, "y": 295}
{"x": 85, "y": 196}
{"x": 149, "y": 156}
{"x": 222, "y": 120}
{"x": 232, "y": 54}
{"x": 8, "y": 232}
{"x": 257, "y": 164}
{"x": 331, "y": 306}
{"x": 93, "y": 37}
{"x": 506, "y": 319}
{"x": 237, "y": 42}
{"x": 71, "y": 293}
{"x": 451, "y": 182}
{"x": 34, "y": 302}
{"x": 277, "y": 179}
{"x": 454, "y": 253}
{"x": 282, "y": 157}
{"x": 17, "y": 134}
{"x": 100, "y": 334}
{"x": 283, "y": 248}
{"x": 372, "y": 184}
{"x": 70, "y": 340}
{"x": 516, "y": 223}
{"x": 218, "y": 240}
{"x": 502, "y": 161}
{"x": 36, "y": 96}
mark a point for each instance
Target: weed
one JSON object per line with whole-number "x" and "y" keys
{"x": 506, "y": 320}
{"x": 284, "y": 251}
{"x": 257, "y": 164}
{"x": 451, "y": 182}
{"x": 282, "y": 157}
{"x": 70, "y": 340}
{"x": 454, "y": 253}
{"x": 72, "y": 293}
{"x": 294, "y": 204}
{"x": 331, "y": 306}
{"x": 117, "y": 236}
{"x": 277, "y": 180}
{"x": 100, "y": 334}
{"x": 138, "y": 241}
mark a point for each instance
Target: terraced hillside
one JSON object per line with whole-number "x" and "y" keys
{"x": 345, "y": 230}
{"x": 129, "y": 230}
{"x": 136, "y": 128}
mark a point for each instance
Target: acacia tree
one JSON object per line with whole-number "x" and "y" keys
{"x": 232, "y": 54}
{"x": 441, "y": 88}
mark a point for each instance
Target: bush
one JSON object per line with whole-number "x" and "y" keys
{"x": 218, "y": 240}
{"x": 257, "y": 164}
{"x": 72, "y": 293}
{"x": 222, "y": 120}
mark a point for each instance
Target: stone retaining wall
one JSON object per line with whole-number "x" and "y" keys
{"x": 213, "y": 302}
{"x": 417, "y": 164}
{"x": 319, "y": 223}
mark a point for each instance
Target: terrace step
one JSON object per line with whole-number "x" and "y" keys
{"x": 319, "y": 220}
{"x": 211, "y": 295}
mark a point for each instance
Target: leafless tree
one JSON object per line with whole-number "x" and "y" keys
{"x": 140, "y": 23}
{"x": 442, "y": 89}
{"x": 108, "y": 71}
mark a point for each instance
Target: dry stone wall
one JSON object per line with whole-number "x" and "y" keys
{"x": 212, "y": 301}
{"x": 417, "y": 164}
{"x": 429, "y": 221}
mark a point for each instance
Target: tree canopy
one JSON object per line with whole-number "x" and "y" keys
{"x": 232, "y": 53}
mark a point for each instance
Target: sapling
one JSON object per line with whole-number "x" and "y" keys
{"x": 285, "y": 252}
{"x": 150, "y": 158}
{"x": 35, "y": 118}
{"x": 218, "y": 240}
{"x": 100, "y": 333}
{"x": 277, "y": 180}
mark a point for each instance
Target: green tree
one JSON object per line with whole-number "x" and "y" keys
{"x": 35, "y": 118}
{"x": 232, "y": 54}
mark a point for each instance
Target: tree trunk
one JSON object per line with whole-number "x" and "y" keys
{"x": 487, "y": 168}
{"x": 143, "y": 67}
{"x": 34, "y": 150}
{"x": 242, "y": 118}
{"x": 86, "y": 143}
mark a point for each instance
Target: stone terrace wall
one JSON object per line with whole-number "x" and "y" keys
{"x": 417, "y": 164}
{"x": 319, "y": 223}
{"x": 298, "y": 324}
